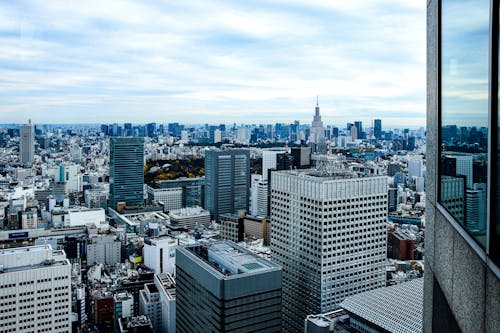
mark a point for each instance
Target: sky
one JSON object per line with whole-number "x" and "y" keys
{"x": 95, "y": 61}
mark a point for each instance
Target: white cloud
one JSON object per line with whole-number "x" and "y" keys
{"x": 140, "y": 61}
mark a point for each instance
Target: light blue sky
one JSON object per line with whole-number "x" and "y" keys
{"x": 212, "y": 61}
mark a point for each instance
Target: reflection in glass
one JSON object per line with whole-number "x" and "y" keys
{"x": 464, "y": 113}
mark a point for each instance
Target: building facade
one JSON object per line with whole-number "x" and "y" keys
{"x": 462, "y": 259}
{"x": 126, "y": 171}
{"x": 27, "y": 144}
{"x": 227, "y": 181}
{"x": 221, "y": 287}
{"x": 35, "y": 289}
{"x": 328, "y": 233}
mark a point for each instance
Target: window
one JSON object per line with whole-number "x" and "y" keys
{"x": 464, "y": 113}
{"x": 469, "y": 170}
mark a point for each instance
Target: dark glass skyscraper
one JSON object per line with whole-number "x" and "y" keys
{"x": 227, "y": 181}
{"x": 126, "y": 171}
{"x": 377, "y": 128}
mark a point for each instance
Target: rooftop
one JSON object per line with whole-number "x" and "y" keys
{"x": 397, "y": 308}
{"x": 230, "y": 259}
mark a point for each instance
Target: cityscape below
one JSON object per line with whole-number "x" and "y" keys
{"x": 140, "y": 228}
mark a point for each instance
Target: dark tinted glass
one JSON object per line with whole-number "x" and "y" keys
{"x": 464, "y": 112}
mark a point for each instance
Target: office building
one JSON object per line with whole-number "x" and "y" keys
{"x": 231, "y": 227}
{"x": 221, "y": 287}
{"x": 377, "y": 128}
{"x": 415, "y": 167}
{"x": 159, "y": 254}
{"x": 150, "y": 305}
{"x": 301, "y": 157}
{"x": 190, "y": 217}
{"x": 227, "y": 181}
{"x": 462, "y": 262}
{"x": 328, "y": 233}
{"x": 27, "y": 144}
{"x": 169, "y": 198}
{"x": 124, "y": 307}
{"x": 35, "y": 289}
{"x": 193, "y": 190}
{"x": 103, "y": 249}
{"x": 126, "y": 171}
{"x": 68, "y": 174}
{"x": 269, "y": 160}
{"x": 165, "y": 284}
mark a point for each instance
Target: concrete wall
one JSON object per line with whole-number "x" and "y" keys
{"x": 460, "y": 291}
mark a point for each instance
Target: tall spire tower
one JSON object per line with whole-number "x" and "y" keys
{"x": 317, "y": 128}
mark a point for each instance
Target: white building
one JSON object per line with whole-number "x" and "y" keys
{"x": 190, "y": 217}
{"x": 171, "y": 198}
{"x": 35, "y": 289}
{"x": 124, "y": 305}
{"x": 165, "y": 284}
{"x": 103, "y": 250}
{"x": 27, "y": 143}
{"x": 69, "y": 175}
{"x": 159, "y": 254}
{"x": 79, "y": 216}
{"x": 269, "y": 160}
{"x": 29, "y": 220}
{"x": 328, "y": 233}
{"x": 150, "y": 305}
{"x": 415, "y": 167}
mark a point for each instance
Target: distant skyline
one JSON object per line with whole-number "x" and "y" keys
{"x": 213, "y": 61}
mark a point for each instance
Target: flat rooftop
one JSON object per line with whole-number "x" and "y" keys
{"x": 30, "y": 249}
{"x": 230, "y": 259}
{"x": 397, "y": 308}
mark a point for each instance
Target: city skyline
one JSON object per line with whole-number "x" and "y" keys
{"x": 132, "y": 62}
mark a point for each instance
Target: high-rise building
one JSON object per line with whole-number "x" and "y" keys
{"x": 359, "y": 130}
{"x": 317, "y": 139}
{"x": 269, "y": 160}
{"x": 227, "y": 181}
{"x": 35, "y": 284}
{"x": 462, "y": 255}
{"x": 328, "y": 233}
{"x": 222, "y": 287}
{"x": 27, "y": 144}
{"x": 377, "y": 128}
{"x": 126, "y": 171}
{"x": 165, "y": 284}
{"x": 415, "y": 167}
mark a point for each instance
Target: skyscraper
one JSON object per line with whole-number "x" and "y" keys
{"x": 222, "y": 287}
{"x": 328, "y": 233}
{"x": 27, "y": 143}
{"x": 317, "y": 139}
{"x": 35, "y": 284}
{"x": 126, "y": 171}
{"x": 462, "y": 252}
{"x": 227, "y": 181}
{"x": 377, "y": 128}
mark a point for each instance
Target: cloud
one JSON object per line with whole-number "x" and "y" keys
{"x": 218, "y": 61}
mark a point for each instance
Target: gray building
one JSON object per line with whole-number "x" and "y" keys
{"x": 126, "y": 171}
{"x": 462, "y": 259}
{"x": 103, "y": 250}
{"x": 27, "y": 144}
{"x": 193, "y": 190}
{"x": 329, "y": 234}
{"x": 222, "y": 287}
{"x": 227, "y": 181}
